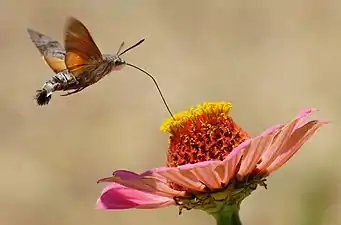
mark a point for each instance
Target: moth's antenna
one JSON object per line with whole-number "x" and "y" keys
{"x": 157, "y": 86}
{"x": 120, "y": 48}
{"x": 131, "y": 47}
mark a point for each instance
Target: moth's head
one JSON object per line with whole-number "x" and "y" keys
{"x": 118, "y": 64}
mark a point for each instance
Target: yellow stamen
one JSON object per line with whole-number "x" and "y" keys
{"x": 205, "y": 108}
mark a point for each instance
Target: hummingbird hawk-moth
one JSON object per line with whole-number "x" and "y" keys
{"x": 78, "y": 65}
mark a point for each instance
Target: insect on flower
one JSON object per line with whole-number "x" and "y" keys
{"x": 212, "y": 163}
{"x": 78, "y": 65}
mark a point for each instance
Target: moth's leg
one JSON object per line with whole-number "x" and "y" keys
{"x": 74, "y": 78}
{"x": 73, "y": 92}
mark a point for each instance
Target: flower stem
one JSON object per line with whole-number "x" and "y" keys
{"x": 226, "y": 214}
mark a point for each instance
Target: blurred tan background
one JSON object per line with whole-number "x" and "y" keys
{"x": 269, "y": 58}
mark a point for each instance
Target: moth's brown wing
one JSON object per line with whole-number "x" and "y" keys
{"x": 56, "y": 64}
{"x": 81, "y": 51}
{"x": 51, "y": 50}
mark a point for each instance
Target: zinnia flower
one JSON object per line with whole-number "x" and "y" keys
{"x": 212, "y": 164}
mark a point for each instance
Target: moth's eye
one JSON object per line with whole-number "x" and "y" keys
{"x": 118, "y": 65}
{"x": 120, "y": 62}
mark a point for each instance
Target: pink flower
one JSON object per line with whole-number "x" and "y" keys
{"x": 211, "y": 162}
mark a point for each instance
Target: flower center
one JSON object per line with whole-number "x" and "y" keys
{"x": 205, "y": 132}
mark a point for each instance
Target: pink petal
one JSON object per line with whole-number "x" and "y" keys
{"x": 208, "y": 175}
{"x": 281, "y": 139}
{"x": 252, "y": 149}
{"x": 304, "y": 114}
{"x": 228, "y": 167}
{"x": 116, "y": 196}
{"x": 193, "y": 177}
{"x": 145, "y": 182}
{"x": 185, "y": 179}
{"x": 253, "y": 153}
{"x": 278, "y": 141}
{"x": 298, "y": 138}
{"x": 272, "y": 130}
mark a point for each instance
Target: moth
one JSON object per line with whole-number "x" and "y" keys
{"x": 79, "y": 64}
